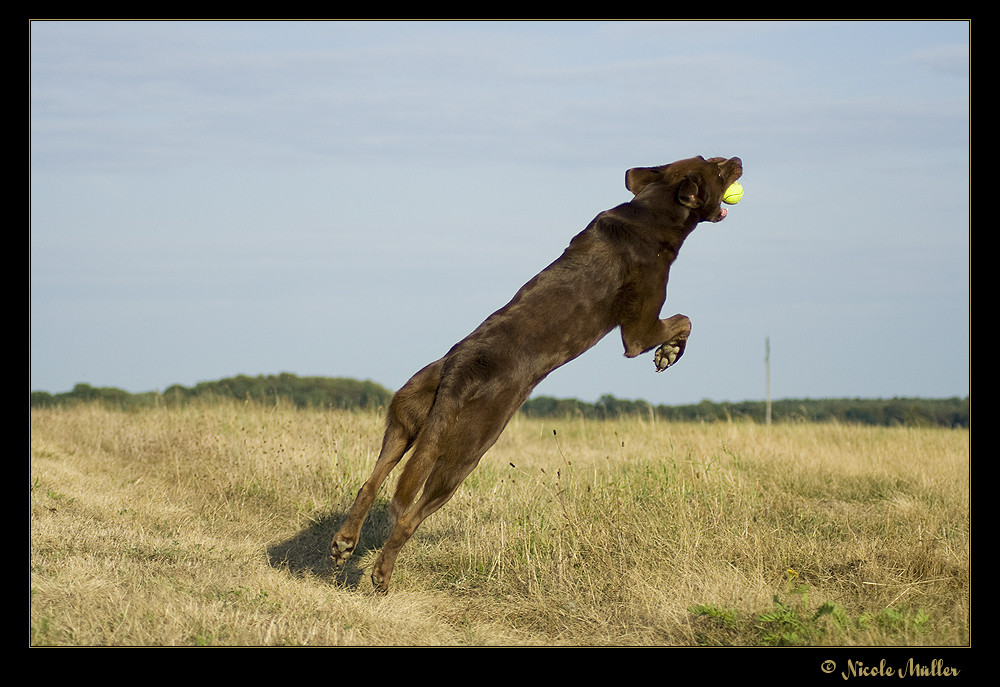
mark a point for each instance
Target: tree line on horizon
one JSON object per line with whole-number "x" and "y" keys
{"x": 352, "y": 394}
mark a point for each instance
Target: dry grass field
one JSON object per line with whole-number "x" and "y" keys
{"x": 210, "y": 525}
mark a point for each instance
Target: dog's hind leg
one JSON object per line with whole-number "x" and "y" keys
{"x": 394, "y": 444}
{"x": 406, "y": 415}
{"x": 442, "y": 459}
{"x": 440, "y": 487}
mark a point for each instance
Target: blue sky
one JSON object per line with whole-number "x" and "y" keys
{"x": 350, "y": 199}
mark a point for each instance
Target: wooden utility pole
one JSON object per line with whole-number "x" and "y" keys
{"x": 767, "y": 366}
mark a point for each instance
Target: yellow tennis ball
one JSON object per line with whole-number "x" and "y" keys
{"x": 733, "y": 194}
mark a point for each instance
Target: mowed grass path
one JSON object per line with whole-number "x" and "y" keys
{"x": 211, "y": 524}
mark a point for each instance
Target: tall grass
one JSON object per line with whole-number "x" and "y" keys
{"x": 211, "y": 525}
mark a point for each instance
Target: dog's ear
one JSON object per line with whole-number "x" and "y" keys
{"x": 638, "y": 177}
{"x": 687, "y": 193}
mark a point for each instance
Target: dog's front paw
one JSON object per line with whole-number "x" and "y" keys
{"x": 666, "y": 355}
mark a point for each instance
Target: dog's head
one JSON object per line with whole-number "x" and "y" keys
{"x": 696, "y": 184}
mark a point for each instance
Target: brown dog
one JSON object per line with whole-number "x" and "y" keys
{"x": 613, "y": 274}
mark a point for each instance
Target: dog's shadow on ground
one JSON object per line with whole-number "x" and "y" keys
{"x": 308, "y": 552}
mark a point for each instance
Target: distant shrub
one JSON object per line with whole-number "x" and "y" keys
{"x": 352, "y": 394}
{"x": 303, "y": 392}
